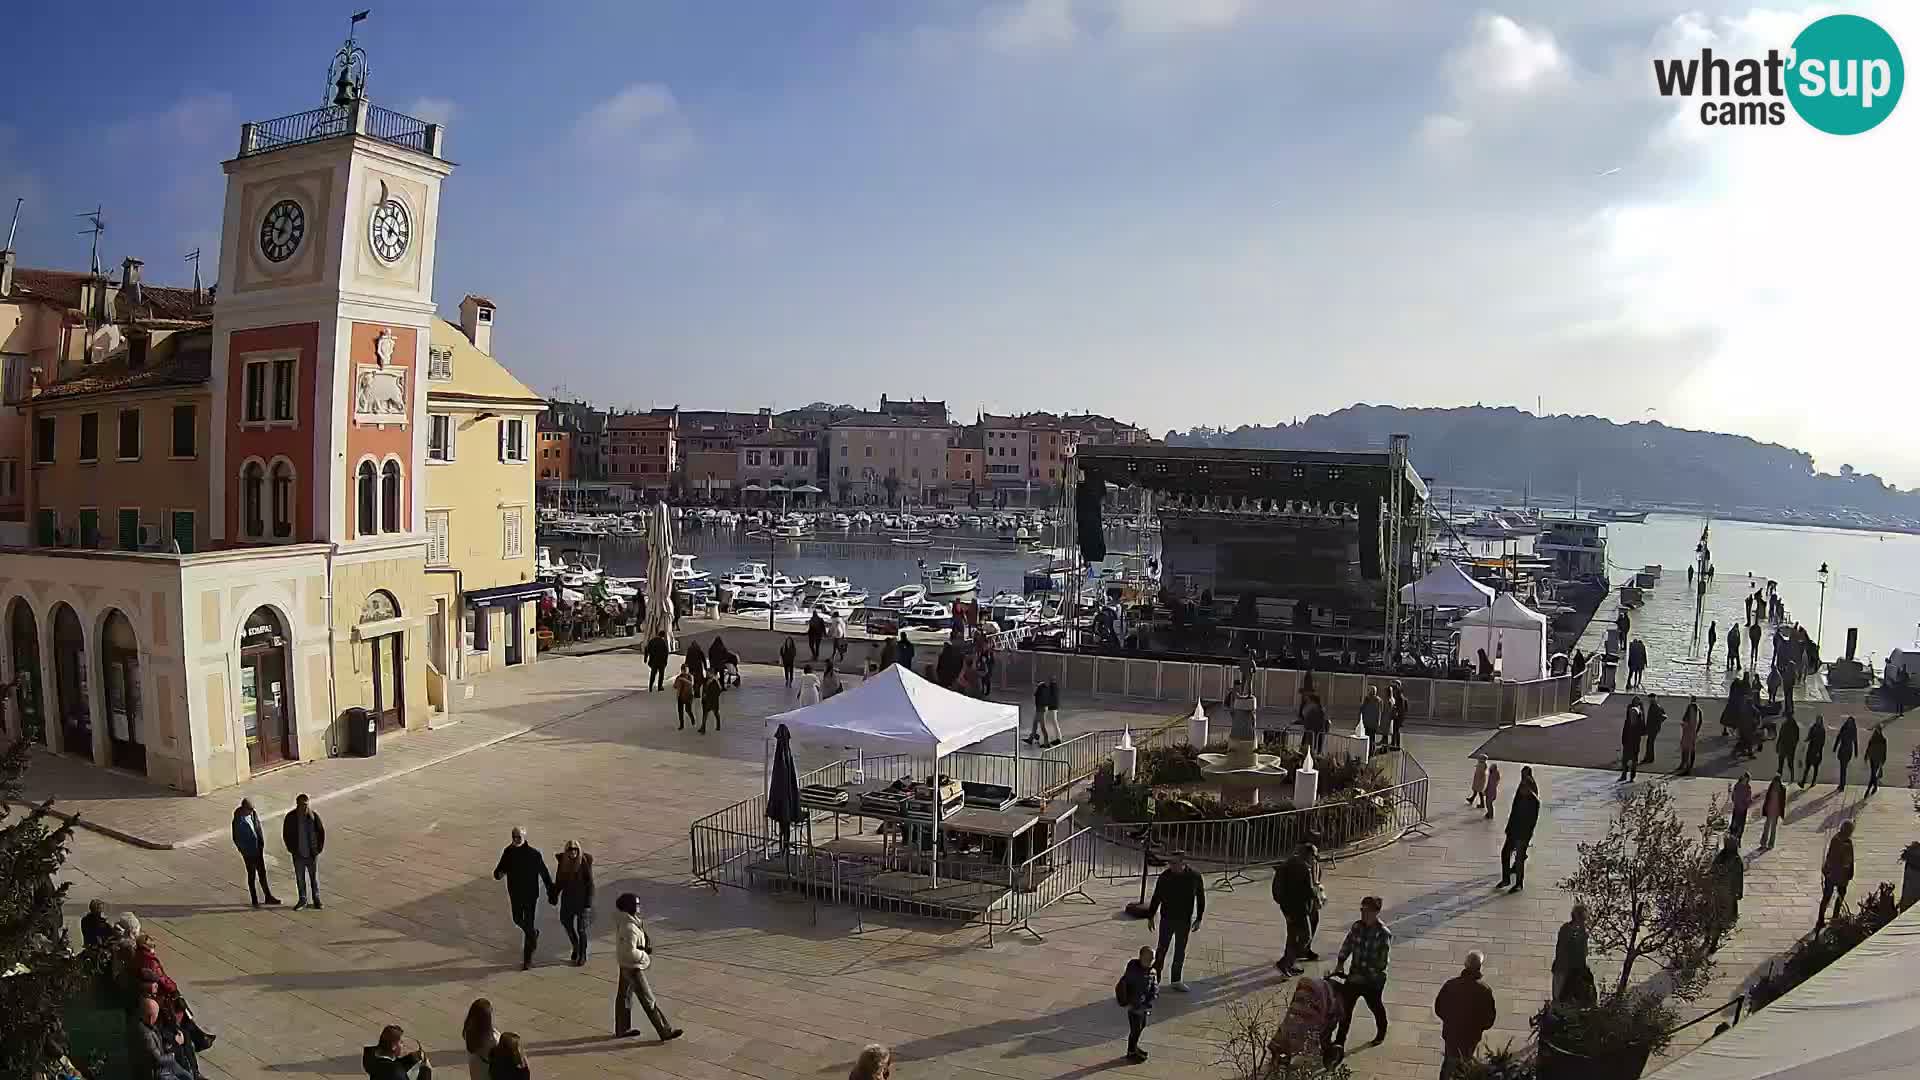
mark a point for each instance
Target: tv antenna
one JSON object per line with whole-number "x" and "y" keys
{"x": 194, "y": 258}
{"x": 98, "y": 225}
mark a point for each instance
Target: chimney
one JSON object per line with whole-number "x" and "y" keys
{"x": 6, "y": 272}
{"x": 476, "y": 321}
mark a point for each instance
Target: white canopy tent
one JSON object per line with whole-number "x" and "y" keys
{"x": 897, "y": 712}
{"x": 1510, "y": 630}
{"x": 1859, "y": 1019}
{"x": 1446, "y": 585}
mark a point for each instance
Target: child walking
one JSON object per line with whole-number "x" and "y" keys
{"x": 1479, "y": 782}
{"x": 1492, "y": 789}
{"x": 1137, "y": 989}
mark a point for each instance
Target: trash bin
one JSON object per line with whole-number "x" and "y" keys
{"x": 1609, "y": 671}
{"x": 363, "y": 733}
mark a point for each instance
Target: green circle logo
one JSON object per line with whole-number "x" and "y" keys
{"x": 1846, "y": 75}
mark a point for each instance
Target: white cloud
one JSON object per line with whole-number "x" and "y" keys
{"x": 1021, "y": 26}
{"x": 1177, "y": 16}
{"x": 1030, "y": 25}
{"x": 1443, "y": 131}
{"x": 643, "y": 119}
{"x": 434, "y": 110}
{"x": 195, "y": 120}
{"x": 1506, "y": 59}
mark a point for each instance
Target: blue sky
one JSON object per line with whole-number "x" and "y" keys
{"x": 1176, "y": 211}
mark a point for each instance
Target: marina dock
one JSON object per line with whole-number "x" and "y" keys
{"x": 1664, "y": 620}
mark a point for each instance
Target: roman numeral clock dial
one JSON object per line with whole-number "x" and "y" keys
{"x": 282, "y": 230}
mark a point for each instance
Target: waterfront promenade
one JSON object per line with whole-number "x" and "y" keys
{"x": 414, "y": 926}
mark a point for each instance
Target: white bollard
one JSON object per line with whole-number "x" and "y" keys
{"x": 1197, "y": 726}
{"x": 1125, "y": 757}
{"x": 1306, "y": 784}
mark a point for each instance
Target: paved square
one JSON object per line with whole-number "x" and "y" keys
{"x": 414, "y": 926}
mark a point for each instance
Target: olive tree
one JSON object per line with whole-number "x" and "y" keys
{"x": 1649, "y": 889}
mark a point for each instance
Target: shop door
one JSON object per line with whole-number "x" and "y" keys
{"x": 266, "y": 694}
{"x": 516, "y": 630}
{"x": 264, "y": 701}
{"x": 25, "y": 706}
{"x": 389, "y": 684}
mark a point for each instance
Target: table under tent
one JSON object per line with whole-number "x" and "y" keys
{"x": 989, "y": 841}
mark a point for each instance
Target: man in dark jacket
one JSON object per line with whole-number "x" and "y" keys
{"x": 816, "y": 632}
{"x": 305, "y": 836}
{"x": 1294, "y": 891}
{"x": 150, "y": 1054}
{"x": 1631, "y": 729}
{"x": 657, "y": 654}
{"x": 1656, "y": 716}
{"x": 1521, "y": 819}
{"x": 1876, "y": 756}
{"x": 252, "y": 842}
{"x": 1466, "y": 1010}
{"x": 1183, "y": 894}
{"x": 1846, "y": 743}
{"x": 903, "y": 653}
{"x": 1816, "y": 749}
{"x": 1753, "y": 643}
{"x": 527, "y": 877}
{"x": 1786, "y": 743}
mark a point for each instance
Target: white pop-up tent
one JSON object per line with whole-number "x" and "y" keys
{"x": 1858, "y": 1019}
{"x": 899, "y": 712}
{"x": 1446, "y": 585}
{"x": 1510, "y": 630}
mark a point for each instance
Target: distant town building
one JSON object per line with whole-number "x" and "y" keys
{"x": 780, "y": 461}
{"x": 1025, "y": 457}
{"x": 967, "y": 466}
{"x": 642, "y": 453}
{"x": 877, "y": 457}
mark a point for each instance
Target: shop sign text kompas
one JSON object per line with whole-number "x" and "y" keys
{"x": 1842, "y": 75}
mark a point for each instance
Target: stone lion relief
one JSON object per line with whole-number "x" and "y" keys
{"x": 380, "y": 389}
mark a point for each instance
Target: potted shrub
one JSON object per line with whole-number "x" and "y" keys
{"x": 1611, "y": 1039}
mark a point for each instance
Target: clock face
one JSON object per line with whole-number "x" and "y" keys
{"x": 389, "y": 230}
{"x": 282, "y": 230}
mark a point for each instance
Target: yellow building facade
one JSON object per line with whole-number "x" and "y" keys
{"x": 480, "y": 507}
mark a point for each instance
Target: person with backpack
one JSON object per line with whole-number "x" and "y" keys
{"x": 1876, "y": 756}
{"x": 1135, "y": 992}
{"x": 683, "y": 697}
{"x": 1816, "y": 749}
{"x": 1845, "y": 744}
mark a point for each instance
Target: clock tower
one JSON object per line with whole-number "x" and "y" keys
{"x": 319, "y": 363}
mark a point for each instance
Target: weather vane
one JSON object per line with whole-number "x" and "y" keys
{"x": 347, "y": 75}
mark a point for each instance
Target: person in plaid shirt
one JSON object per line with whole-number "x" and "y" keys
{"x": 1366, "y": 946}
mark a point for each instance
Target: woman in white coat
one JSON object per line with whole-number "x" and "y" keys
{"x": 634, "y": 953}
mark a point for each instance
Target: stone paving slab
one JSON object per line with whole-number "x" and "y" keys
{"x": 774, "y": 989}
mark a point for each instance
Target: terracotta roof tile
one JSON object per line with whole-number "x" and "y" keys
{"x": 186, "y": 359}
{"x": 62, "y": 288}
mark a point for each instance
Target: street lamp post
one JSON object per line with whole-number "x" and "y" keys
{"x": 1820, "y": 628}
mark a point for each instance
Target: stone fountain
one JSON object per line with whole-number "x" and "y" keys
{"x": 1242, "y": 772}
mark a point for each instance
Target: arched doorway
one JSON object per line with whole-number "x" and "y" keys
{"x": 120, "y": 675}
{"x": 24, "y": 640}
{"x": 266, "y": 692}
{"x": 389, "y": 665}
{"x": 70, "y": 680}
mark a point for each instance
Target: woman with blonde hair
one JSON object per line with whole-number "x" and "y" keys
{"x": 480, "y": 1037}
{"x": 874, "y": 1063}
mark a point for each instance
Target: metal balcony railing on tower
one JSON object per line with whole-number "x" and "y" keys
{"x": 331, "y": 121}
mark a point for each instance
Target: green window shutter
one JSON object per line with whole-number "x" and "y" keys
{"x": 49, "y": 524}
{"x": 183, "y": 530}
{"x": 129, "y": 530}
{"x": 89, "y": 528}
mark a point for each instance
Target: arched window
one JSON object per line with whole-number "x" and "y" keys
{"x": 390, "y": 497}
{"x": 368, "y": 493}
{"x": 252, "y": 484}
{"x": 282, "y": 500}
